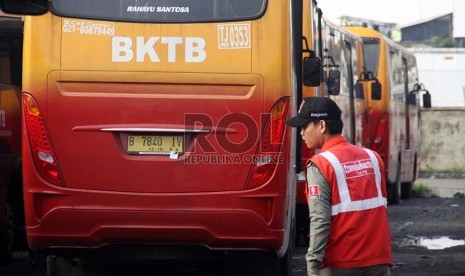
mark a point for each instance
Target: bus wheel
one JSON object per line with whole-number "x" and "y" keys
{"x": 406, "y": 191}
{"x": 7, "y": 234}
{"x": 285, "y": 262}
{"x": 272, "y": 265}
{"x": 302, "y": 227}
{"x": 259, "y": 263}
{"x": 394, "y": 188}
{"x": 62, "y": 266}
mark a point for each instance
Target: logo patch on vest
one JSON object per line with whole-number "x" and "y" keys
{"x": 313, "y": 192}
{"x": 358, "y": 168}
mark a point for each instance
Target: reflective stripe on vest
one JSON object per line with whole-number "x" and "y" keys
{"x": 347, "y": 205}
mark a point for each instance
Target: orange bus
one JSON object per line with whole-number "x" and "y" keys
{"x": 393, "y": 109}
{"x": 162, "y": 124}
{"x": 342, "y": 54}
{"x": 344, "y": 51}
{"x": 11, "y": 206}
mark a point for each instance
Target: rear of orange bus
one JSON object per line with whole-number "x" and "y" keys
{"x": 393, "y": 119}
{"x": 160, "y": 124}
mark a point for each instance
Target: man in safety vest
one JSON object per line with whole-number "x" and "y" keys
{"x": 346, "y": 193}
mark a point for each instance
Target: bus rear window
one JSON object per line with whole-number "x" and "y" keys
{"x": 160, "y": 10}
{"x": 371, "y": 54}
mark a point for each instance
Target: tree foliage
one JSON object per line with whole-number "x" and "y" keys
{"x": 443, "y": 42}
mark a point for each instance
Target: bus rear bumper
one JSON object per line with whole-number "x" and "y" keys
{"x": 236, "y": 221}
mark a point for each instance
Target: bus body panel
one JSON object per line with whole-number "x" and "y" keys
{"x": 90, "y": 109}
{"x": 145, "y": 47}
{"x": 221, "y": 220}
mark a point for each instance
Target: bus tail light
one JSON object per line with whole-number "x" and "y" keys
{"x": 380, "y": 133}
{"x": 268, "y": 153}
{"x": 41, "y": 148}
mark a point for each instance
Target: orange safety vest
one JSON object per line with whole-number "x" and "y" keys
{"x": 359, "y": 235}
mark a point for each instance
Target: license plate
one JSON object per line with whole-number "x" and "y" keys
{"x": 155, "y": 144}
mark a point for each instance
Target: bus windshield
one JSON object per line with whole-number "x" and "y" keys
{"x": 371, "y": 54}
{"x": 160, "y": 10}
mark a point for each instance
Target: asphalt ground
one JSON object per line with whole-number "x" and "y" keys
{"x": 417, "y": 219}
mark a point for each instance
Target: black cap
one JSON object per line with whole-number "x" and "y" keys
{"x": 315, "y": 108}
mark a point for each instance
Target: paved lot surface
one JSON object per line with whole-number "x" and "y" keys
{"x": 428, "y": 218}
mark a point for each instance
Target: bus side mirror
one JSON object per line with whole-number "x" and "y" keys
{"x": 24, "y": 7}
{"x": 359, "y": 91}
{"x": 334, "y": 82}
{"x": 376, "y": 90}
{"x": 312, "y": 71}
{"x": 427, "y": 99}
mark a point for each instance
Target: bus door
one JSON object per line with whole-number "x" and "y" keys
{"x": 376, "y": 118}
{"x": 410, "y": 151}
{"x": 348, "y": 54}
{"x": 407, "y": 113}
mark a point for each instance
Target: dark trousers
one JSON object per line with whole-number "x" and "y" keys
{"x": 377, "y": 270}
